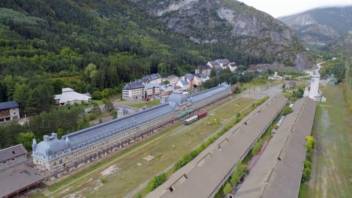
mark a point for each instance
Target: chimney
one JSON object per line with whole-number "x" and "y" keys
{"x": 34, "y": 144}
{"x": 46, "y": 138}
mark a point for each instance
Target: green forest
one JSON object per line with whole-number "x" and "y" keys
{"x": 89, "y": 45}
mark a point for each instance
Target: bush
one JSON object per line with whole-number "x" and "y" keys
{"x": 287, "y": 110}
{"x": 310, "y": 143}
{"x": 306, "y": 171}
{"x": 228, "y": 188}
{"x": 238, "y": 173}
{"x": 156, "y": 182}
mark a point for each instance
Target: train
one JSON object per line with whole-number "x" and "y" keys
{"x": 196, "y": 117}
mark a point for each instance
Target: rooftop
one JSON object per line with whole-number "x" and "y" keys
{"x": 270, "y": 177}
{"x": 18, "y": 178}
{"x": 138, "y": 84}
{"x": 151, "y": 77}
{"x": 218, "y": 160}
{"x": 68, "y": 95}
{"x": 12, "y": 152}
{"x": 8, "y": 105}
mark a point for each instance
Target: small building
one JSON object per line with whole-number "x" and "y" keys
{"x": 290, "y": 84}
{"x": 70, "y": 97}
{"x": 203, "y": 70}
{"x": 172, "y": 79}
{"x": 9, "y": 111}
{"x": 275, "y": 77}
{"x": 16, "y": 171}
{"x": 133, "y": 91}
{"x": 188, "y": 82}
{"x": 151, "y": 90}
{"x": 221, "y": 64}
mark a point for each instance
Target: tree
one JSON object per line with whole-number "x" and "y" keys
{"x": 21, "y": 95}
{"x": 108, "y": 106}
{"x": 26, "y": 138}
{"x": 91, "y": 74}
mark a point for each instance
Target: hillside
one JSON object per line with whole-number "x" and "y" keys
{"x": 228, "y": 23}
{"x": 47, "y": 44}
{"x": 323, "y": 26}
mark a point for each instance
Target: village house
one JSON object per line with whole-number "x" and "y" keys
{"x": 221, "y": 64}
{"x": 188, "y": 82}
{"x": 133, "y": 91}
{"x": 275, "y": 77}
{"x": 9, "y": 111}
{"x": 151, "y": 90}
{"x": 203, "y": 70}
{"x": 172, "y": 79}
{"x": 70, "y": 97}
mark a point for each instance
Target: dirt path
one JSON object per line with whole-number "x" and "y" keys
{"x": 332, "y": 169}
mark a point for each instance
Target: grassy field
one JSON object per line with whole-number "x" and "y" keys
{"x": 128, "y": 171}
{"x": 143, "y": 104}
{"x": 332, "y": 170}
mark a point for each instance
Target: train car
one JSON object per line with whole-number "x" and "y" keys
{"x": 202, "y": 114}
{"x": 196, "y": 117}
{"x": 191, "y": 120}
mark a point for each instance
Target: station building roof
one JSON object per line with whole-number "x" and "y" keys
{"x": 204, "y": 175}
{"x": 278, "y": 171}
{"x": 8, "y": 105}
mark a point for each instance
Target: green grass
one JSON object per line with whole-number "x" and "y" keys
{"x": 142, "y": 104}
{"x": 331, "y": 170}
{"x": 134, "y": 171}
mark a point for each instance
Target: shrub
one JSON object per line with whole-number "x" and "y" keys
{"x": 238, "y": 173}
{"x": 287, "y": 110}
{"x": 156, "y": 181}
{"x": 228, "y": 188}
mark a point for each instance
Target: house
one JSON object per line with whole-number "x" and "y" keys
{"x": 275, "y": 77}
{"x": 172, "y": 79}
{"x": 290, "y": 84}
{"x": 182, "y": 84}
{"x": 133, "y": 91}
{"x": 203, "y": 70}
{"x": 69, "y": 97}
{"x": 16, "y": 171}
{"x": 221, "y": 64}
{"x": 152, "y": 78}
{"x": 188, "y": 81}
{"x": 9, "y": 111}
{"x": 151, "y": 90}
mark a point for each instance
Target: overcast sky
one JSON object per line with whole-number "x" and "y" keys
{"x": 286, "y": 7}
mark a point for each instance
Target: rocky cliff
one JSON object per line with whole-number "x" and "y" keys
{"x": 229, "y": 23}
{"x": 323, "y": 26}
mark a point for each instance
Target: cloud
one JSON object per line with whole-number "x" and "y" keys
{"x": 287, "y": 7}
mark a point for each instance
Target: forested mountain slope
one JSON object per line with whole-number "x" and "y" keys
{"x": 47, "y": 44}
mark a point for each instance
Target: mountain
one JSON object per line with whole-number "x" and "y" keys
{"x": 126, "y": 39}
{"x": 323, "y": 26}
{"x": 228, "y": 23}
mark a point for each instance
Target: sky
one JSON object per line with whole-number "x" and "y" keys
{"x": 279, "y": 8}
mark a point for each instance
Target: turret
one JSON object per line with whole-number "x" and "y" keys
{"x": 34, "y": 144}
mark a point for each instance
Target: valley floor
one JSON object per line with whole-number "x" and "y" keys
{"x": 127, "y": 172}
{"x": 332, "y": 170}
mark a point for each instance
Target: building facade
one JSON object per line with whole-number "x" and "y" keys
{"x": 58, "y": 155}
{"x": 133, "y": 91}
{"x": 9, "y": 111}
